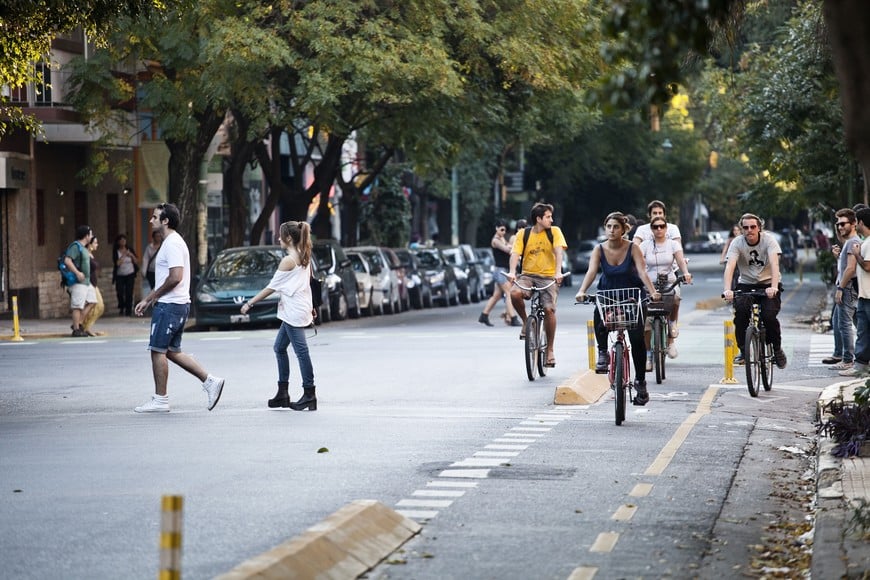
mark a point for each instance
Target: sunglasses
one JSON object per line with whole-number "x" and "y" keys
{"x": 843, "y": 224}
{"x": 752, "y": 227}
{"x": 659, "y": 226}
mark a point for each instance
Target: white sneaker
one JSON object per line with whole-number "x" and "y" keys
{"x": 649, "y": 360}
{"x": 156, "y": 404}
{"x": 857, "y": 370}
{"x": 213, "y": 387}
{"x": 672, "y": 351}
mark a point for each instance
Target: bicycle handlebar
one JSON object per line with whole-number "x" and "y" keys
{"x": 681, "y": 279}
{"x": 757, "y": 292}
{"x": 521, "y": 287}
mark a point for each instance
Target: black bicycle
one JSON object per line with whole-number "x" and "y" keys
{"x": 535, "y": 341}
{"x": 758, "y": 355}
{"x": 659, "y": 315}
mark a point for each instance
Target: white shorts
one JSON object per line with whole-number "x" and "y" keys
{"x": 81, "y": 294}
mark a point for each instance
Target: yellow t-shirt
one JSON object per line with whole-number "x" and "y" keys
{"x": 539, "y": 259}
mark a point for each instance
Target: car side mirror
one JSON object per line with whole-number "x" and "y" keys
{"x": 345, "y": 263}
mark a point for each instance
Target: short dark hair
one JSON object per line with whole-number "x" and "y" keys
{"x": 655, "y": 203}
{"x": 863, "y": 216}
{"x": 847, "y": 213}
{"x": 168, "y": 211}
{"x": 538, "y": 211}
{"x": 82, "y": 231}
{"x": 500, "y": 223}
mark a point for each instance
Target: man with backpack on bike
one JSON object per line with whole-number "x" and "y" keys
{"x": 540, "y": 247}
{"x": 756, "y": 254}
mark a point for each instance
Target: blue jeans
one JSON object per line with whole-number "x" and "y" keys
{"x": 862, "y": 345}
{"x": 167, "y": 326}
{"x": 294, "y": 335}
{"x": 841, "y": 322}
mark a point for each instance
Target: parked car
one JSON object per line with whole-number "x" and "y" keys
{"x": 388, "y": 277}
{"x": 370, "y": 283}
{"x": 401, "y": 273}
{"x": 236, "y": 275}
{"x": 441, "y": 275}
{"x": 487, "y": 263}
{"x": 339, "y": 278}
{"x": 580, "y": 256}
{"x": 568, "y": 279}
{"x": 419, "y": 289}
{"x": 469, "y": 275}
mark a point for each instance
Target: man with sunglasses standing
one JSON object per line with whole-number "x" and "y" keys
{"x": 756, "y": 253}
{"x": 845, "y": 292}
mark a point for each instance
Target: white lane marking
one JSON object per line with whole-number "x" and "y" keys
{"x": 496, "y": 453}
{"x": 641, "y": 490}
{"x": 4, "y": 343}
{"x": 533, "y": 429}
{"x": 513, "y": 440}
{"x": 583, "y": 573}
{"x": 418, "y": 514}
{"x": 479, "y": 462}
{"x": 469, "y": 473}
{"x": 467, "y": 484}
{"x": 424, "y": 503}
{"x": 507, "y": 447}
{"x": 605, "y": 542}
{"x": 523, "y": 435}
{"x": 214, "y": 338}
{"x": 549, "y": 417}
{"x": 776, "y": 387}
{"x": 539, "y": 422}
{"x": 438, "y": 493}
{"x": 624, "y": 513}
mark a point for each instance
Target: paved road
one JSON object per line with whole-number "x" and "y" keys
{"x": 403, "y": 399}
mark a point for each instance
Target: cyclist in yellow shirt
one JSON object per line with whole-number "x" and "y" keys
{"x": 540, "y": 248}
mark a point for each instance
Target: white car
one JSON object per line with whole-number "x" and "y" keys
{"x": 369, "y": 289}
{"x": 385, "y": 281}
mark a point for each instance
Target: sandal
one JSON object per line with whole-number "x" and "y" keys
{"x": 551, "y": 362}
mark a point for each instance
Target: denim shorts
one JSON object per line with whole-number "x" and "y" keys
{"x": 167, "y": 326}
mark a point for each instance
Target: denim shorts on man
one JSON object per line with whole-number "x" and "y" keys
{"x": 167, "y": 326}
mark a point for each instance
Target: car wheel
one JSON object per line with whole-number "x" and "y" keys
{"x": 353, "y": 311}
{"x": 453, "y": 294}
{"x": 339, "y": 307}
{"x": 427, "y": 300}
{"x": 417, "y": 299}
{"x": 465, "y": 294}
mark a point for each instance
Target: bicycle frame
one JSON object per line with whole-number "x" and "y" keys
{"x": 535, "y": 332}
{"x": 758, "y": 355}
{"x": 659, "y": 318}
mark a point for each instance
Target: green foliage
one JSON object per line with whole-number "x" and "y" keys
{"x": 862, "y": 395}
{"x": 826, "y": 264}
{"x": 387, "y": 212}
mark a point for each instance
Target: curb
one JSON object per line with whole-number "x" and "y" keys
{"x": 346, "y": 544}
{"x": 584, "y": 388}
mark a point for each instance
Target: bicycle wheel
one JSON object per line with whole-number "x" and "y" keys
{"x": 766, "y": 351}
{"x": 542, "y": 348}
{"x": 753, "y": 360}
{"x": 657, "y": 345}
{"x": 619, "y": 382}
{"x": 530, "y": 328}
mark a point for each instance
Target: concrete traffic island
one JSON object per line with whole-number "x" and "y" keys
{"x": 583, "y": 389}
{"x": 346, "y": 544}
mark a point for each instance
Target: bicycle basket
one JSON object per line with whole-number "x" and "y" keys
{"x": 619, "y": 308}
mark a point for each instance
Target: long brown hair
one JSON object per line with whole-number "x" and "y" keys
{"x": 299, "y": 233}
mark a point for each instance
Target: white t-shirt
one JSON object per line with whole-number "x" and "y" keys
{"x": 660, "y": 258}
{"x": 173, "y": 254}
{"x": 864, "y": 277}
{"x": 754, "y": 261}
{"x": 294, "y": 286}
{"x": 644, "y": 233}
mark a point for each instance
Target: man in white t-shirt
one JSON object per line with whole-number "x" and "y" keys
{"x": 861, "y": 368}
{"x": 655, "y": 209}
{"x": 171, "y": 301}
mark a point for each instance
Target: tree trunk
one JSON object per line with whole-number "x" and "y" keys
{"x": 241, "y": 153}
{"x": 850, "y": 45}
{"x": 270, "y": 163}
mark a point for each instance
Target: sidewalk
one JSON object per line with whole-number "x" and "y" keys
{"x": 106, "y": 326}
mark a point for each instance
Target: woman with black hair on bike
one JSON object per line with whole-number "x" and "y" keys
{"x": 622, "y": 266}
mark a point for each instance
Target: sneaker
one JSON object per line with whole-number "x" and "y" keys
{"x": 156, "y": 404}
{"x": 857, "y": 370}
{"x": 603, "y": 362}
{"x": 649, "y": 360}
{"x": 213, "y": 386}
{"x": 779, "y": 358}
{"x": 842, "y": 365}
{"x": 641, "y": 396}
{"x": 831, "y": 360}
{"x": 672, "y": 351}
{"x": 673, "y": 329}
{"x": 738, "y": 360}
{"x": 78, "y": 332}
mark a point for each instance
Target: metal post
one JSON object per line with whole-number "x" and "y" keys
{"x": 454, "y": 207}
{"x": 16, "y": 330}
{"x": 170, "y": 538}
{"x": 590, "y": 344}
{"x": 730, "y": 348}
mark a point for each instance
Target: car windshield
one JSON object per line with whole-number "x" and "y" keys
{"x": 428, "y": 259}
{"x": 245, "y": 264}
{"x": 452, "y": 256}
{"x": 323, "y": 255}
{"x": 357, "y": 262}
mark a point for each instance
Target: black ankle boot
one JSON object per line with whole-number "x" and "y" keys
{"x": 307, "y": 401}
{"x": 484, "y": 319}
{"x": 281, "y": 398}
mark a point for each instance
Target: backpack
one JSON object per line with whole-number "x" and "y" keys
{"x": 67, "y": 277}
{"x": 526, "y": 233}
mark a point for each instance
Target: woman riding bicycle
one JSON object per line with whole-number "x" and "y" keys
{"x": 622, "y": 266}
{"x": 660, "y": 253}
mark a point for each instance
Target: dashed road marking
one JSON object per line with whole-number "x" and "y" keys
{"x": 438, "y": 493}
{"x": 624, "y": 513}
{"x": 583, "y": 573}
{"x": 605, "y": 542}
{"x": 641, "y": 490}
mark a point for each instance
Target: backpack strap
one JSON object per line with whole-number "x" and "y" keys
{"x": 527, "y": 233}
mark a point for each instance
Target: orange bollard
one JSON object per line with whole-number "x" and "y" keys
{"x": 592, "y": 349}
{"x": 16, "y": 329}
{"x": 170, "y": 538}
{"x": 730, "y": 348}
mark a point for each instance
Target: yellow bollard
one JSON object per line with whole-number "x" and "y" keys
{"x": 730, "y": 349}
{"x": 16, "y": 329}
{"x": 591, "y": 348}
{"x": 170, "y": 538}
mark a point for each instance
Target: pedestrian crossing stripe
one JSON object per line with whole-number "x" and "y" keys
{"x": 821, "y": 347}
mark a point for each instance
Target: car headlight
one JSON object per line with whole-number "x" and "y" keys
{"x": 332, "y": 281}
{"x": 436, "y": 278}
{"x": 412, "y": 281}
{"x": 460, "y": 274}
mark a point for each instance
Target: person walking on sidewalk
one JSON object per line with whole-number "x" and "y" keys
{"x": 862, "y": 311}
{"x": 845, "y": 292}
{"x": 124, "y": 274}
{"x": 148, "y": 256}
{"x": 171, "y": 302}
{"x": 81, "y": 294}
{"x": 99, "y": 307}
{"x": 756, "y": 253}
{"x": 501, "y": 251}
{"x": 296, "y": 312}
